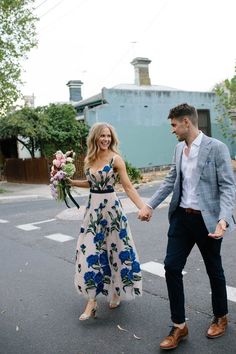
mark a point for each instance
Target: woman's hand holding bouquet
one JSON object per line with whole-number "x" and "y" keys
{"x": 62, "y": 171}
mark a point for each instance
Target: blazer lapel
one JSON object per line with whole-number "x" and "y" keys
{"x": 179, "y": 154}
{"x": 203, "y": 153}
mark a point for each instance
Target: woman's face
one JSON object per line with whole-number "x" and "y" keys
{"x": 104, "y": 140}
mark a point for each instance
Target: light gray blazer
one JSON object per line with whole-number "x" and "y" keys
{"x": 214, "y": 179}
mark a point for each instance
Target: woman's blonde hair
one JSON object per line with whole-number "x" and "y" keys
{"x": 92, "y": 146}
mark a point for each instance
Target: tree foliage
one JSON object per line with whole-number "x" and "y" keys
{"x": 226, "y": 104}
{"x": 65, "y": 132}
{"x": 17, "y": 37}
{"x": 28, "y": 126}
{"x": 49, "y": 128}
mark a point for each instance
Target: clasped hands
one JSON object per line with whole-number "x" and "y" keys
{"x": 145, "y": 213}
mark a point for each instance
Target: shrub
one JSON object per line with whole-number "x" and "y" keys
{"x": 133, "y": 172}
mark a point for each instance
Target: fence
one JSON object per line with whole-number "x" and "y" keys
{"x": 35, "y": 170}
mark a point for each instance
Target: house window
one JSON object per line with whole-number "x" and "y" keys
{"x": 204, "y": 121}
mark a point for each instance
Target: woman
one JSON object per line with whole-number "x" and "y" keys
{"x": 106, "y": 259}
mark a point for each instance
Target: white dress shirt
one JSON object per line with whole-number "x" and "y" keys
{"x": 188, "y": 169}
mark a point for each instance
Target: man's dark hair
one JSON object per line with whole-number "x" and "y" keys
{"x": 182, "y": 110}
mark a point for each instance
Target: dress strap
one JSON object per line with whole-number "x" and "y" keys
{"x": 112, "y": 160}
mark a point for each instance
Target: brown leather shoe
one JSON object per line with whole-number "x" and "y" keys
{"x": 217, "y": 327}
{"x": 175, "y": 336}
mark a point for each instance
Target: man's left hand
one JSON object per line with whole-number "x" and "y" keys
{"x": 219, "y": 231}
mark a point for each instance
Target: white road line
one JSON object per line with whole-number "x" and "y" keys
{"x": 31, "y": 226}
{"x": 155, "y": 268}
{"x": 231, "y": 293}
{"x": 158, "y": 269}
{"x": 19, "y": 196}
{"x": 59, "y": 237}
{"x": 3, "y": 221}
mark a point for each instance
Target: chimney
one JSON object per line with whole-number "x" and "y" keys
{"x": 141, "y": 71}
{"x": 75, "y": 90}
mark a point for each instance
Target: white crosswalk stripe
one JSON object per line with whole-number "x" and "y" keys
{"x": 231, "y": 293}
{"x": 158, "y": 269}
{"x": 3, "y": 221}
{"x": 155, "y": 268}
{"x": 59, "y": 237}
{"x": 31, "y": 226}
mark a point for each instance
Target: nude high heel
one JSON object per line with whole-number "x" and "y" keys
{"x": 115, "y": 302}
{"x": 92, "y": 313}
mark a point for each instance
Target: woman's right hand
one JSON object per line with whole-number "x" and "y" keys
{"x": 70, "y": 181}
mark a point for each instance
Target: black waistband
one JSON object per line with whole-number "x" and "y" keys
{"x": 110, "y": 190}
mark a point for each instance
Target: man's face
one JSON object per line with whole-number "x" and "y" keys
{"x": 180, "y": 128}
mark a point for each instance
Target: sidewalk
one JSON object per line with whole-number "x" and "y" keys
{"x": 21, "y": 191}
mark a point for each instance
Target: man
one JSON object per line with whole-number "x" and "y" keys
{"x": 200, "y": 211}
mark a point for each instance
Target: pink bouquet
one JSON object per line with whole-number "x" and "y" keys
{"x": 62, "y": 167}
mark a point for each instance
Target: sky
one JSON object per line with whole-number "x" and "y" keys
{"x": 191, "y": 43}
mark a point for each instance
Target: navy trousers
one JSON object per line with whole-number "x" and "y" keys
{"x": 185, "y": 230}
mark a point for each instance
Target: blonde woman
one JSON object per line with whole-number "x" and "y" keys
{"x": 106, "y": 258}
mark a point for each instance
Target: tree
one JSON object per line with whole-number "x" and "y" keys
{"x": 226, "y": 105}
{"x": 64, "y": 131}
{"x": 28, "y": 126}
{"x": 17, "y": 38}
{"x": 49, "y": 128}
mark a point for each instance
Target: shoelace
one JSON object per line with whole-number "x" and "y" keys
{"x": 215, "y": 320}
{"x": 172, "y": 331}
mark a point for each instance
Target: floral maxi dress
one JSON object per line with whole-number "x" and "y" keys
{"x": 106, "y": 258}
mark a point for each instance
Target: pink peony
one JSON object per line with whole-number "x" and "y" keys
{"x": 59, "y": 155}
{"x": 56, "y": 163}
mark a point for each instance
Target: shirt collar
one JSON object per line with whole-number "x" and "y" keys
{"x": 197, "y": 141}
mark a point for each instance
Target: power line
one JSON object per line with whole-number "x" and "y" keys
{"x": 57, "y": 20}
{"x": 52, "y": 8}
{"x": 40, "y": 4}
{"x": 147, "y": 27}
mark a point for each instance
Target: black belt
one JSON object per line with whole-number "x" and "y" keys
{"x": 102, "y": 191}
{"x": 191, "y": 211}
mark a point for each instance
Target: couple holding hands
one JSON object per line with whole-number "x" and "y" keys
{"x": 203, "y": 186}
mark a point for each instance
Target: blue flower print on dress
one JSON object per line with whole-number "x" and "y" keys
{"x": 122, "y": 233}
{"x": 127, "y": 257}
{"x": 89, "y": 276}
{"x": 99, "y": 237}
{"x": 124, "y": 272}
{"x": 100, "y": 287}
{"x": 106, "y": 258}
{"x": 124, "y": 256}
{"x": 103, "y": 222}
{"x": 106, "y": 168}
{"x": 103, "y": 259}
{"x": 98, "y": 278}
{"x": 106, "y": 270}
{"x": 89, "y": 281}
{"x": 132, "y": 254}
{"x": 136, "y": 267}
{"x": 92, "y": 260}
